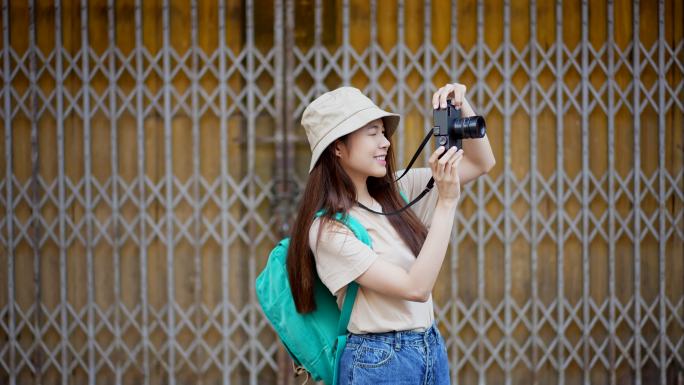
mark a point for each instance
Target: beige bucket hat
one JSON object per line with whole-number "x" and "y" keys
{"x": 337, "y": 113}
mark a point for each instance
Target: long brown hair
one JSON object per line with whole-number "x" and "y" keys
{"x": 330, "y": 188}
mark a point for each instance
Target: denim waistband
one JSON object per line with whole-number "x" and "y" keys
{"x": 409, "y": 337}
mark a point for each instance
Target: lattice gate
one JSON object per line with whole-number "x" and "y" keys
{"x": 152, "y": 156}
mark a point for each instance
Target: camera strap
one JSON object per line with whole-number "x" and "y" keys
{"x": 415, "y": 156}
{"x": 428, "y": 187}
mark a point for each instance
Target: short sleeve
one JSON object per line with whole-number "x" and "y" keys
{"x": 412, "y": 184}
{"x": 340, "y": 256}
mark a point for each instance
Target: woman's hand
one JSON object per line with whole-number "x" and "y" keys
{"x": 456, "y": 92}
{"x": 479, "y": 158}
{"x": 445, "y": 173}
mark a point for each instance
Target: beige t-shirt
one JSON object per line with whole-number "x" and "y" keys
{"x": 341, "y": 258}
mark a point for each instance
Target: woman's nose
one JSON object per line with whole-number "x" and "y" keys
{"x": 385, "y": 142}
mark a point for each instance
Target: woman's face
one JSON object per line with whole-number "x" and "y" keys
{"x": 364, "y": 153}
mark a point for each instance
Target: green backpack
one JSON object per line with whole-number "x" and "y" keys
{"x": 315, "y": 340}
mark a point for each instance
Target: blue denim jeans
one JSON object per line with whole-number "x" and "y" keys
{"x": 406, "y": 357}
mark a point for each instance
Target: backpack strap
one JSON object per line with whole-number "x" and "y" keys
{"x": 350, "y": 296}
{"x": 403, "y": 196}
{"x": 352, "y": 288}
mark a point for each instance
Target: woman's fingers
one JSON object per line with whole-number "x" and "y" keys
{"x": 443, "y": 161}
{"x": 439, "y": 165}
{"x": 435, "y": 98}
{"x": 452, "y": 166}
{"x": 444, "y": 172}
{"x": 446, "y": 165}
{"x": 435, "y": 155}
{"x": 458, "y": 94}
{"x": 444, "y": 95}
{"x": 456, "y": 90}
{"x": 453, "y": 161}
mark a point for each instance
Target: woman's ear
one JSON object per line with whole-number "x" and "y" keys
{"x": 338, "y": 149}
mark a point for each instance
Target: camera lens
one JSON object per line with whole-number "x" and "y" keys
{"x": 471, "y": 127}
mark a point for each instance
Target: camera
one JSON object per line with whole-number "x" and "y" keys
{"x": 450, "y": 129}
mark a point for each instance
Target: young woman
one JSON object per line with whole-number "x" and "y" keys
{"x": 393, "y": 338}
